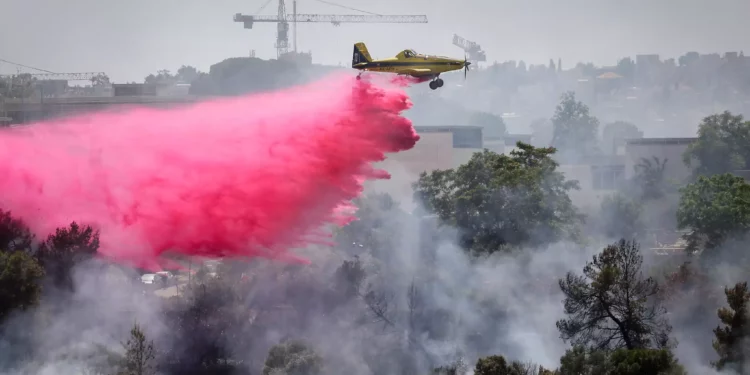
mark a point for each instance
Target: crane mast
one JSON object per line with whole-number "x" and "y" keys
{"x": 282, "y": 19}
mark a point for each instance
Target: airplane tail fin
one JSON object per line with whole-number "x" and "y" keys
{"x": 360, "y": 54}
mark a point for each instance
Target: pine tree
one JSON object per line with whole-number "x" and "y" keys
{"x": 729, "y": 342}
{"x": 139, "y": 354}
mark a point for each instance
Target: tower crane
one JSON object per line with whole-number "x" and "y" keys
{"x": 472, "y": 49}
{"x": 282, "y": 19}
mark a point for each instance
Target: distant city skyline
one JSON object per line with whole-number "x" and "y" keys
{"x": 129, "y": 40}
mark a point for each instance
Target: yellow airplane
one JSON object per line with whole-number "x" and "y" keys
{"x": 408, "y": 62}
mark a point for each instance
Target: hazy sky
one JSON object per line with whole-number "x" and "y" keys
{"x": 129, "y": 39}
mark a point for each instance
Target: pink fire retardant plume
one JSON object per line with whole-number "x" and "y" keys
{"x": 251, "y": 176}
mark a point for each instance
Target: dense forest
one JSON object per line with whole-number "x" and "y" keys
{"x": 496, "y": 273}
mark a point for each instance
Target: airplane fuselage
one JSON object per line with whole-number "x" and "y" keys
{"x": 426, "y": 66}
{"x": 408, "y": 62}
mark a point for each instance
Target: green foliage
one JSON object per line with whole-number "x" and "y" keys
{"x": 139, "y": 354}
{"x": 497, "y": 365}
{"x": 612, "y": 306}
{"x": 20, "y": 282}
{"x": 458, "y": 367}
{"x": 580, "y": 361}
{"x": 350, "y": 278}
{"x": 493, "y": 126}
{"x": 499, "y": 200}
{"x": 731, "y": 341}
{"x": 62, "y": 251}
{"x": 714, "y": 209}
{"x": 204, "y": 319}
{"x": 20, "y": 273}
{"x": 575, "y": 130}
{"x": 493, "y": 365}
{"x": 621, "y": 217}
{"x": 14, "y": 234}
{"x": 644, "y": 362}
{"x": 649, "y": 175}
{"x": 723, "y": 145}
{"x": 292, "y": 357}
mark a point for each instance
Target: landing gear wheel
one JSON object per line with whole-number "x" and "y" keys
{"x": 439, "y": 82}
{"x": 433, "y": 85}
{"x": 359, "y": 76}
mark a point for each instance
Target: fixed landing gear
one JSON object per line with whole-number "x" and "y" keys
{"x": 359, "y": 76}
{"x": 436, "y": 83}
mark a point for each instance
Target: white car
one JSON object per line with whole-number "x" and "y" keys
{"x": 148, "y": 278}
{"x": 153, "y": 278}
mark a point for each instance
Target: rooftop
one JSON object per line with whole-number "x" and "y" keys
{"x": 661, "y": 141}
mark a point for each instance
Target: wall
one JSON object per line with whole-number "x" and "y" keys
{"x": 597, "y": 179}
{"x": 663, "y": 148}
{"x": 443, "y": 147}
{"x": 433, "y": 151}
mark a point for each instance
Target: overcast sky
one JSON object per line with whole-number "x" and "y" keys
{"x": 129, "y": 39}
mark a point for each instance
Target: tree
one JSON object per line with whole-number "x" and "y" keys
{"x": 187, "y": 74}
{"x": 621, "y": 217}
{"x": 616, "y": 132}
{"x": 644, "y": 362}
{"x": 723, "y": 145}
{"x": 714, "y": 209}
{"x": 497, "y": 365}
{"x": 498, "y": 200}
{"x": 612, "y": 306}
{"x": 575, "y": 130}
{"x": 626, "y": 68}
{"x": 458, "y": 367}
{"x": 731, "y": 341}
{"x": 139, "y": 354}
{"x": 20, "y": 282}
{"x": 163, "y": 76}
{"x": 14, "y": 234}
{"x": 649, "y": 174}
{"x": 492, "y": 126}
{"x": 582, "y": 361}
{"x": 17, "y": 86}
{"x": 100, "y": 80}
{"x": 65, "y": 249}
{"x": 293, "y": 357}
{"x": 20, "y": 273}
{"x": 207, "y": 317}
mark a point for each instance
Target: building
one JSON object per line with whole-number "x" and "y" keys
{"x": 23, "y": 111}
{"x": 597, "y": 178}
{"x": 439, "y": 147}
{"x": 664, "y": 149}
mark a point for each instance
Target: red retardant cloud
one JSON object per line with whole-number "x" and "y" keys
{"x": 251, "y": 176}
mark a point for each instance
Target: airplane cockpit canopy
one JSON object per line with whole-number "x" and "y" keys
{"x": 409, "y": 53}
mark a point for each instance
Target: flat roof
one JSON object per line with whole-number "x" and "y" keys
{"x": 445, "y": 129}
{"x": 662, "y": 141}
